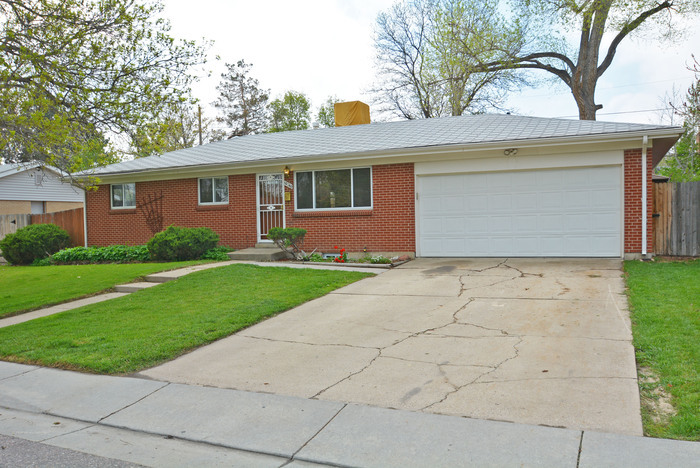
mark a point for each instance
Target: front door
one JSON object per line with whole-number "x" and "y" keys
{"x": 270, "y": 203}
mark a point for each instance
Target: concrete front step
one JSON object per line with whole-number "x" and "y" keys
{"x": 133, "y": 287}
{"x": 265, "y": 254}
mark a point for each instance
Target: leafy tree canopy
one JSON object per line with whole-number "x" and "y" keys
{"x": 290, "y": 112}
{"x": 181, "y": 126}
{"x": 241, "y": 100}
{"x": 326, "y": 113}
{"x": 682, "y": 164}
{"x": 429, "y": 54}
{"x": 601, "y": 25}
{"x": 74, "y": 71}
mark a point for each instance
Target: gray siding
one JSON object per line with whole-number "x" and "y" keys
{"x": 22, "y": 186}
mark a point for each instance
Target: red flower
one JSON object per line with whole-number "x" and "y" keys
{"x": 335, "y": 246}
{"x": 342, "y": 250}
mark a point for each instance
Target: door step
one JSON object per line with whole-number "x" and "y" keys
{"x": 259, "y": 254}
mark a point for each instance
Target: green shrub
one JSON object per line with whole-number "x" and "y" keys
{"x": 110, "y": 254}
{"x": 290, "y": 240}
{"x": 33, "y": 242}
{"x": 217, "y": 253}
{"x": 178, "y": 243}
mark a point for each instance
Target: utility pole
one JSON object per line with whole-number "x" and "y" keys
{"x": 199, "y": 118}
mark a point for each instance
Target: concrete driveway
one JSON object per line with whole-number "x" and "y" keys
{"x": 536, "y": 341}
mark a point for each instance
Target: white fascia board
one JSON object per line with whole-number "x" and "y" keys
{"x": 626, "y": 140}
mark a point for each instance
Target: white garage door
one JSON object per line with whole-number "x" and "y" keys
{"x": 541, "y": 213}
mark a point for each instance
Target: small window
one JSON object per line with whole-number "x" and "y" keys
{"x": 213, "y": 190}
{"x": 123, "y": 196}
{"x": 334, "y": 189}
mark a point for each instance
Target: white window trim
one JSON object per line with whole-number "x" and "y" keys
{"x": 111, "y": 197}
{"x": 352, "y": 186}
{"x": 199, "y": 192}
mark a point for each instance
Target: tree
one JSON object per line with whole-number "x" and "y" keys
{"x": 326, "y": 113}
{"x": 73, "y": 71}
{"x": 178, "y": 128}
{"x": 682, "y": 164}
{"x": 241, "y": 100}
{"x": 598, "y": 22}
{"x": 290, "y": 112}
{"x": 429, "y": 51}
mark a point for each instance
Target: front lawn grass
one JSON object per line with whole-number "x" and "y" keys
{"x": 24, "y": 288}
{"x": 155, "y": 325}
{"x": 665, "y": 310}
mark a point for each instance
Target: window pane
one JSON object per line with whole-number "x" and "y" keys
{"x": 117, "y": 195}
{"x": 333, "y": 189}
{"x": 304, "y": 190}
{"x": 129, "y": 194}
{"x": 362, "y": 187}
{"x": 221, "y": 190}
{"x": 205, "y": 191}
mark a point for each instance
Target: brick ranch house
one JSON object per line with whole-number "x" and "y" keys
{"x": 470, "y": 186}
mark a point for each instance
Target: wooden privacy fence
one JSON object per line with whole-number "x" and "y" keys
{"x": 10, "y": 223}
{"x": 677, "y": 219}
{"x": 70, "y": 220}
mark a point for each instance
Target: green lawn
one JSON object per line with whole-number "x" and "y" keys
{"x": 665, "y": 306}
{"x": 154, "y": 325}
{"x": 24, "y": 288}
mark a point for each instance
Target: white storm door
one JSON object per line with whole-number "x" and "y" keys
{"x": 270, "y": 194}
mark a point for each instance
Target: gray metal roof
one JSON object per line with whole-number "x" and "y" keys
{"x": 376, "y": 137}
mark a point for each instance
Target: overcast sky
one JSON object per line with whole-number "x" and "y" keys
{"x": 325, "y": 47}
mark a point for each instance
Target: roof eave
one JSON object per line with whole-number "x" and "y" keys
{"x": 665, "y": 137}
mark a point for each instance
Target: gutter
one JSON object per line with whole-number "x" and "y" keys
{"x": 85, "y": 218}
{"x": 645, "y": 142}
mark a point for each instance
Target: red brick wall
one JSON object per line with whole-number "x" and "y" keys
{"x": 633, "y": 201}
{"x": 389, "y": 226}
{"x": 235, "y": 223}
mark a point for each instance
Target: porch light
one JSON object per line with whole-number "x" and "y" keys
{"x": 286, "y": 170}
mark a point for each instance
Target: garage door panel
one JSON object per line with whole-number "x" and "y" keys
{"x": 550, "y": 201}
{"x": 454, "y": 204}
{"x": 525, "y": 224}
{"x": 478, "y": 225}
{"x": 455, "y": 226}
{"x": 500, "y": 202}
{"x": 577, "y": 199}
{"x": 476, "y": 203}
{"x": 560, "y": 212}
{"x": 525, "y": 201}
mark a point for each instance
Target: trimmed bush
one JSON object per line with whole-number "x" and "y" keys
{"x": 217, "y": 253}
{"x": 33, "y": 242}
{"x": 179, "y": 243}
{"x": 291, "y": 240}
{"x": 110, "y": 254}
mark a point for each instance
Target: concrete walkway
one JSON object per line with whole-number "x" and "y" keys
{"x": 523, "y": 340}
{"x": 151, "y": 423}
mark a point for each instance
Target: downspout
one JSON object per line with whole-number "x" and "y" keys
{"x": 85, "y": 216}
{"x": 645, "y": 142}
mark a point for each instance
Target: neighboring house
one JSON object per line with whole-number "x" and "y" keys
{"x": 35, "y": 189}
{"x": 476, "y": 186}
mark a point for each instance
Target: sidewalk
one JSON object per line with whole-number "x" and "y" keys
{"x": 155, "y": 423}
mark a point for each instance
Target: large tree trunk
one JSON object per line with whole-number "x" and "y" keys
{"x": 584, "y": 94}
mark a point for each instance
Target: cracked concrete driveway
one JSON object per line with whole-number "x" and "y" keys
{"x": 538, "y": 341}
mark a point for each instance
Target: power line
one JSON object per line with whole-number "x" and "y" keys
{"x": 605, "y": 87}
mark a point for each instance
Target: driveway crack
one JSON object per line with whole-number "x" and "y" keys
{"x": 457, "y": 388}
